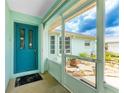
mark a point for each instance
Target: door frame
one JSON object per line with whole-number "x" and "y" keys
{"x": 14, "y": 75}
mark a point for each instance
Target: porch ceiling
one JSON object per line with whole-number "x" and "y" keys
{"x": 31, "y": 7}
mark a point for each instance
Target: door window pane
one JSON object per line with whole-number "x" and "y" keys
{"x": 30, "y": 39}
{"x": 22, "y": 38}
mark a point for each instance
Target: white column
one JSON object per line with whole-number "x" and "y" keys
{"x": 100, "y": 45}
{"x": 63, "y": 48}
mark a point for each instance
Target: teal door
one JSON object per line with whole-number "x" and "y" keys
{"x": 26, "y": 47}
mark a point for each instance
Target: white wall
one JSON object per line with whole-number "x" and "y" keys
{"x": 78, "y": 46}
{"x": 113, "y": 47}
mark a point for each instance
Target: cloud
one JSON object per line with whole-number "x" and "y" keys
{"x": 91, "y": 32}
{"x": 73, "y": 25}
{"x": 86, "y": 22}
{"x": 109, "y": 32}
{"x": 112, "y": 18}
{"x": 112, "y": 31}
{"x": 90, "y": 14}
{"x": 110, "y": 5}
{"x": 82, "y": 23}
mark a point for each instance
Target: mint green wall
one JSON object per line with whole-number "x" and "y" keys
{"x": 23, "y": 18}
{"x": 8, "y": 46}
{"x": 26, "y": 19}
{"x": 11, "y": 17}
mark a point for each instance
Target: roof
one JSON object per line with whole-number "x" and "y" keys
{"x": 73, "y": 35}
{"x": 112, "y": 39}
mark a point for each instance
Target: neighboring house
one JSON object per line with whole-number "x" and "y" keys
{"x": 74, "y": 44}
{"x": 112, "y": 44}
{"x": 77, "y": 43}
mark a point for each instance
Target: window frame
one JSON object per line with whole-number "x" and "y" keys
{"x": 100, "y": 6}
{"x": 65, "y": 55}
{"x": 99, "y": 44}
{"x": 68, "y": 45}
{"x": 59, "y": 38}
{"x": 52, "y": 44}
{"x": 87, "y": 42}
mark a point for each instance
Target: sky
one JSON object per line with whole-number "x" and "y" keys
{"x": 86, "y": 22}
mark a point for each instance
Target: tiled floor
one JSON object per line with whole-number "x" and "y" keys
{"x": 47, "y": 85}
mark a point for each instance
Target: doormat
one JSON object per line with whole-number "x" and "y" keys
{"x": 27, "y": 79}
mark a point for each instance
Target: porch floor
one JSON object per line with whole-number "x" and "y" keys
{"x": 47, "y": 85}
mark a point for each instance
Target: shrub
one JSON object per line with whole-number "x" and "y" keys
{"x": 84, "y": 55}
{"x": 112, "y": 54}
{"x": 88, "y": 56}
{"x": 108, "y": 58}
{"x": 93, "y": 56}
